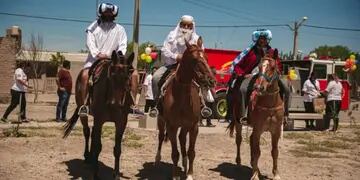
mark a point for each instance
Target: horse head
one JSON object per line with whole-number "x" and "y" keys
{"x": 268, "y": 72}
{"x": 119, "y": 73}
{"x": 196, "y": 59}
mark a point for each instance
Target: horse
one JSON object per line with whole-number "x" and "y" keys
{"x": 182, "y": 105}
{"x": 110, "y": 102}
{"x": 266, "y": 113}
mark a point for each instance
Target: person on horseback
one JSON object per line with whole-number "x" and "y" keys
{"x": 172, "y": 51}
{"x": 103, "y": 36}
{"x": 245, "y": 71}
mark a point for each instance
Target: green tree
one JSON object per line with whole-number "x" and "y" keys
{"x": 57, "y": 59}
{"x": 338, "y": 51}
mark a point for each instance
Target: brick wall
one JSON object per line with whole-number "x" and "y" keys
{"x": 7, "y": 66}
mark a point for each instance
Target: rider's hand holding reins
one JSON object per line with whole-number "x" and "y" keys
{"x": 101, "y": 56}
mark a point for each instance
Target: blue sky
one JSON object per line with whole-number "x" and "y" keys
{"x": 70, "y": 36}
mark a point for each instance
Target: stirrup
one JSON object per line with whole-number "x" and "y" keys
{"x": 83, "y": 111}
{"x": 206, "y": 112}
{"x": 153, "y": 112}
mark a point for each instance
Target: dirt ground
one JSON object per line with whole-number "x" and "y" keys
{"x": 40, "y": 153}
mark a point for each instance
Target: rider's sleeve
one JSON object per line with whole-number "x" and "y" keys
{"x": 91, "y": 44}
{"x": 166, "y": 50}
{"x": 122, "y": 41}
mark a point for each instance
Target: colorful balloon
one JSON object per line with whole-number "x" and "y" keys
{"x": 292, "y": 74}
{"x": 143, "y": 56}
{"x": 352, "y": 56}
{"x": 148, "y": 59}
{"x": 153, "y": 55}
{"x": 147, "y": 50}
{"x": 353, "y": 68}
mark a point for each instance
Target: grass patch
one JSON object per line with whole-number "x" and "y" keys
{"x": 298, "y": 135}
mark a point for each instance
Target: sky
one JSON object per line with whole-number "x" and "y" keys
{"x": 70, "y": 36}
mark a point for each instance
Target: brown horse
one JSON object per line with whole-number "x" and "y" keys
{"x": 110, "y": 101}
{"x": 266, "y": 113}
{"x": 181, "y": 107}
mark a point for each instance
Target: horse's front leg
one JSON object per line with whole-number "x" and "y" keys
{"x": 191, "y": 152}
{"x": 182, "y": 139}
{"x": 96, "y": 145}
{"x": 255, "y": 152}
{"x": 172, "y": 131}
{"x": 238, "y": 128}
{"x": 120, "y": 125}
{"x": 275, "y": 136}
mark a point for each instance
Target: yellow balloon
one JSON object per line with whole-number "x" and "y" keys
{"x": 148, "y": 59}
{"x": 352, "y": 61}
{"x": 353, "y": 68}
{"x": 352, "y": 57}
{"x": 292, "y": 76}
{"x": 143, "y": 56}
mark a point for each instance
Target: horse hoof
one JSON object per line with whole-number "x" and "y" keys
{"x": 184, "y": 163}
{"x": 116, "y": 176}
{"x": 157, "y": 159}
{"x": 189, "y": 177}
{"x": 255, "y": 176}
{"x": 238, "y": 161}
{"x": 277, "y": 177}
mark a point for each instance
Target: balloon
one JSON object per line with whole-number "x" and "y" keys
{"x": 353, "y": 68}
{"x": 352, "y": 61}
{"x": 352, "y": 56}
{"x": 148, "y": 59}
{"x": 153, "y": 55}
{"x": 143, "y": 56}
{"x": 147, "y": 50}
{"x": 292, "y": 74}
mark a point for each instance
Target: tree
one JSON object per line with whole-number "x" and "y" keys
{"x": 338, "y": 51}
{"x": 57, "y": 59}
{"x": 32, "y": 53}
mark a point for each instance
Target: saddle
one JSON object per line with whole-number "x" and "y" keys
{"x": 95, "y": 71}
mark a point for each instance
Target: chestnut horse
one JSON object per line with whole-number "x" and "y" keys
{"x": 266, "y": 113}
{"x": 110, "y": 101}
{"x": 181, "y": 107}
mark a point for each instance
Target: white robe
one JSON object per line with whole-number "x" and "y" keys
{"x": 104, "y": 38}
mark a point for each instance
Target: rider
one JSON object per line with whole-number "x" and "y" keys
{"x": 103, "y": 37}
{"x": 173, "y": 49}
{"x": 244, "y": 69}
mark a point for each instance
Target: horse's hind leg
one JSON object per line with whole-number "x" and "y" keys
{"x": 86, "y": 131}
{"x": 182, "y": 139}
{"x": 120, "y": 128}
{"x": 161, "y": 127}
{"x": 172, "y": 131}
{"x": 191, "y": 152}
{"x": 255, "y": 153}
{"x": 275, "y": 152}
{"x": 96, "y": 145}
{"x": 238, "y": 127}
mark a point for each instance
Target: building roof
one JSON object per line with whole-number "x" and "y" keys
{"x": 46, "y": 55}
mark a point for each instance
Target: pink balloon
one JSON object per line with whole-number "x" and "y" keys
{"x": 153, "y": 55}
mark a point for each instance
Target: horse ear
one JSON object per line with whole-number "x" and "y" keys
{"x": 200, "y": 42}
{"x": 276, "y": 54}
{"x": 130, "y": 59}
{"x": 114, "y": 57}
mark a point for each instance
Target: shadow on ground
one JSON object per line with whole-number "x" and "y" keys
{"x": 161, "y": 171}
{"x": 77, "y": 168}
{"x": 233, "y": 171}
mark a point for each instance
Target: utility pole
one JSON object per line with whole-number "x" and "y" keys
{"x": 296, "y": 29}
{"x": 136, "y": 32}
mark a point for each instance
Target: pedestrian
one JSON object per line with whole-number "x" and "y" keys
{"x": 64, "y": 84}
{"x": 334, "y": 93}
{"x": 210, "y": 105}
{"x": 150, "y": 102}
{"x": 311, "y": 90}
{"x": 17, "y": 92}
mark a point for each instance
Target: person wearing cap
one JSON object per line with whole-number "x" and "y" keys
{"x": 173, "y": 49}
{"x": 244, "y": 68}
{"x": 103, "y": 36}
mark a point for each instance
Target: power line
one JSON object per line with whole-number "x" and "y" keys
{"x": 331, "y": 28}
{"x": 142, "y": 24}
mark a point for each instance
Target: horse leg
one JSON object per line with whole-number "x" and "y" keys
{"x": 120, "y": 128}
{"x": 275, "y": 151}
{"x": 96, "y": 145}
{"x": 86, "y": 132}
{"x": 238, "y": 142}
{"x": 182, "y": 139}
{"x": 191, "y": 152}
{"x": 161, "y": 126}
{"x": 174, "y": 151}
{"x": 255, "y": 153}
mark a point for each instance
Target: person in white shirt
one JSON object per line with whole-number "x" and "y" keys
{"x": 334, "y": 93}
{"x": 150, "y": 102}
{"x": 17, "y": 91}
{"x": 103, "y": 36}
{"x": 311, "y": 90}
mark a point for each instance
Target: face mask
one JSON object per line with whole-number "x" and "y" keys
{"x": 184, "y": 34}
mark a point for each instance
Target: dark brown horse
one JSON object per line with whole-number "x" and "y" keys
{"x": 266, "y": 113}
{"x": 110, "y": 101}
{"x": 182, "y": 105}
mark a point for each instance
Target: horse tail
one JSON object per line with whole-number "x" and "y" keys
{"x": 231, "y": 128}
{"x": 70, "y": 124}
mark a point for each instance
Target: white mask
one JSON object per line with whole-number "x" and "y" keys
{"x": 184, "y": 35}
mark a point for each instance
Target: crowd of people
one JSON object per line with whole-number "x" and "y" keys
{"x": 105, "y": 36}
